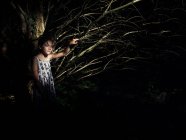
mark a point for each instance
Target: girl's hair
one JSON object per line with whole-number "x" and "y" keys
{"x": 44, "y": 38}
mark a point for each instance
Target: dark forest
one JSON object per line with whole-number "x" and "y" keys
{"x": 128, "y": 68}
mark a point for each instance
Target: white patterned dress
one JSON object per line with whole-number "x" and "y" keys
{"x": 47, "y": 82}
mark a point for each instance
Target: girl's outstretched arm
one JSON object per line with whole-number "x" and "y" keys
{"x": 66, "y": 50}
{"x": 60, "y": 54}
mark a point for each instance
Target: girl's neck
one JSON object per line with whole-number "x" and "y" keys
{"x": 43, "y": 57}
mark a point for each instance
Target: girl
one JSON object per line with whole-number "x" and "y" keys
{"x": 43, "y": 90}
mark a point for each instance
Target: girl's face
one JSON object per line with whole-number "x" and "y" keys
{"x": 47, "y": 48}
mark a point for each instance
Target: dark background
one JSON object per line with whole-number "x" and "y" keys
{"x": 150, "y": 96}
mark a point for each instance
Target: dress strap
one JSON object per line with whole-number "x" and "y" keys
{"x": 37, "y": 58}
{"x": 41, "y": 60}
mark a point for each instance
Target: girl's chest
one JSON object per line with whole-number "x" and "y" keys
{"x": 44, "y": 66}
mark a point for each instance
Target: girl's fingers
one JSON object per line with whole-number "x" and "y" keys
{"x": 76, "y": 40}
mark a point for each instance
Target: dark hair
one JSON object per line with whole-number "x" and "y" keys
{"x": 44, "y": 38}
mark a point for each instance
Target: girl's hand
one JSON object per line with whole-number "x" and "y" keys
{"x": 74, "y": 41}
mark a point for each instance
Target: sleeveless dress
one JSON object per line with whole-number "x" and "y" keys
{"x": 48, "y": 95}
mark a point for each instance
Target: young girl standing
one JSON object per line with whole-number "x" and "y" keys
{"x": 44, "y": 94}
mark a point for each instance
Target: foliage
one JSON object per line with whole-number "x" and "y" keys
{"x": 114, "y": 35}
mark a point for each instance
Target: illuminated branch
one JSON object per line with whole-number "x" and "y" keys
{"x": 108, "y": 31}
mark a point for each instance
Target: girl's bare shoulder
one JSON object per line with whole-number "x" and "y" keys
{"x": 42, "y": 58}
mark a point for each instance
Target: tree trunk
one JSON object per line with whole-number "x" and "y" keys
{"x": 32, "y": 21}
